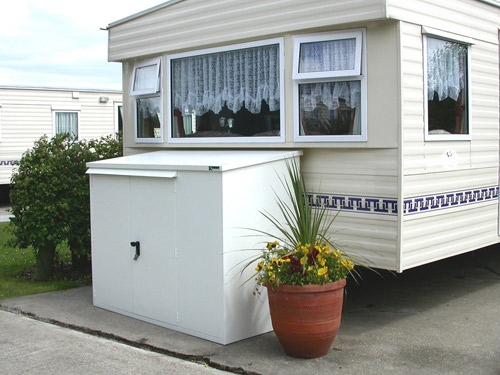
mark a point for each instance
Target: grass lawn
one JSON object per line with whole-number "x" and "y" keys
{"x": 16, "y": 269}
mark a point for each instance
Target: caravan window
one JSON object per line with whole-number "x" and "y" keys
{"x": 329, "y": 87}
{"x": 447, "y": 96}
{"x": 230, "y": 94}
{"x": 66, "y": 122}
{"x": 147, "y": 93}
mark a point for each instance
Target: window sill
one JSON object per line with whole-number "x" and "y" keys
{"x": 330, "y": 138}
{"x": 151, "y": 140}
{"x": 447, "y": 137}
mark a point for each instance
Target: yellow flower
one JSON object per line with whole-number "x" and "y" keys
{"x": 272, "y": 277}
{"x": 326, "y": 249}
{"x": 305, "y": 250}
{"x": 274, "y": 260}
{"x": 347, "y": 264}
{"x": 322, "y": 271}
{"x": 271, "y": 245}
{"x": 310, "y": 268}
{"x": 259, "y": 266}
{"x": 303, "y": 260}
{"x": 317, "y": 247}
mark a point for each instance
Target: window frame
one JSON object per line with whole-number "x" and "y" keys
{"x": 145, "y": 94}
{"x": 233, "y": 140}
{"x": 357, "y": 74}
{"x": 54, "y": 115}
{"x": 445, "y": 36}
{"x": 116, "y": 112}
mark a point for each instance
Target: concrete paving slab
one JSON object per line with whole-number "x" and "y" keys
{"x": 442, "y": 318}
{"x": 33, "y": 347}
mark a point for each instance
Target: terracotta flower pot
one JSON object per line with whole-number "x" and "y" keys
{"x": 306, "y": 318}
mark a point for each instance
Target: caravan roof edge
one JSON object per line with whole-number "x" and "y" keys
{"x": 142, "y": 13}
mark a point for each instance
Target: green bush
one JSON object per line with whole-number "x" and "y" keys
{"x": 50, "y": 198}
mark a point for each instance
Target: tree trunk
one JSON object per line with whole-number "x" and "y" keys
{"x": 44, "y": 266}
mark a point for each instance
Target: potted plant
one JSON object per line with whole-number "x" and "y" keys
{"x": 304, "y": 273}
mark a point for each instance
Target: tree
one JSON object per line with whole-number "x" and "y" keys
{"x": 50, "y": 198}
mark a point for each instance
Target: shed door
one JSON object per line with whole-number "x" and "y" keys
{"x": 124, "y": 210}
{"x": 154, "y": 273}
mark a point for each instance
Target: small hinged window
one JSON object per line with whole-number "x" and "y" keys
{"x": 146, "y": 78}
{"x": 327, "y": 55}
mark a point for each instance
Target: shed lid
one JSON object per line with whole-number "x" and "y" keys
{"x": 192, "y": 160}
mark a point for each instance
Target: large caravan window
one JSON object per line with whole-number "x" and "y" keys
{"x": 146, "y": 91}
{"x": 329, "y": 87}
{"x": 447, "y": 94}
{"x": 230, "y": 94}
{"x": 66, "y": 122}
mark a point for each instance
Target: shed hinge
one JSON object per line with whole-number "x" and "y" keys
{"x": 175, "y": 187}
{"x": 177, "y": 317}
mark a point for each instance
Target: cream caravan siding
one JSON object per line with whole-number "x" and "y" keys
{"x": 27, "y": 114}
{"x": 464, "y": 17}
{"x": 449, "y": 210}
{"x": 195, "y": 23}
{"x": 447, "y": 234}
{"x": 482, "y": 151}
{"x": 365, "y": 182}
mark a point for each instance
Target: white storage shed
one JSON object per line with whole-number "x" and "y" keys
{"x": 168, "y": 237}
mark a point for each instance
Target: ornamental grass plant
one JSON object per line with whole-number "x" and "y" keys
{"x": 301, "y": 253}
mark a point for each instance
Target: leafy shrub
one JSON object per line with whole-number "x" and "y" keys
{"x": 50, "y": 197}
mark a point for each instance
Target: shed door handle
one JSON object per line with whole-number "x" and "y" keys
{"x": 137, "y": 246}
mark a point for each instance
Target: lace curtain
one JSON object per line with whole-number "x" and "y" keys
{"x": 446, "y": 68}
{"x": 326, "y": 56}
{"x": 67, "y": 122}
{"x": 149, "y": 107}
{"x": 329, "y": 93}
{"x": 237, "y": 79}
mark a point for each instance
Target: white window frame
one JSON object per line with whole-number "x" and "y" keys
{"x": 446, "y": 36}
{"x": 356, "y": 74}
{"x": 144, "y": 94}
{"x": 234, "y": 140}
{"x": 140, "y": 64}
{"x": 78, "y": 124}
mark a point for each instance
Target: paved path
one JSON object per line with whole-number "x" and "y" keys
{"x": 438, "y": 319}
{"x": 29, "y": 346}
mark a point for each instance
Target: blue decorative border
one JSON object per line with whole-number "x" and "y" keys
{"x": 368, "y": 205}
{"x": 7, "y": 162}
{"x": 411, "y": 205}
{"x": 415, "y": 205}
